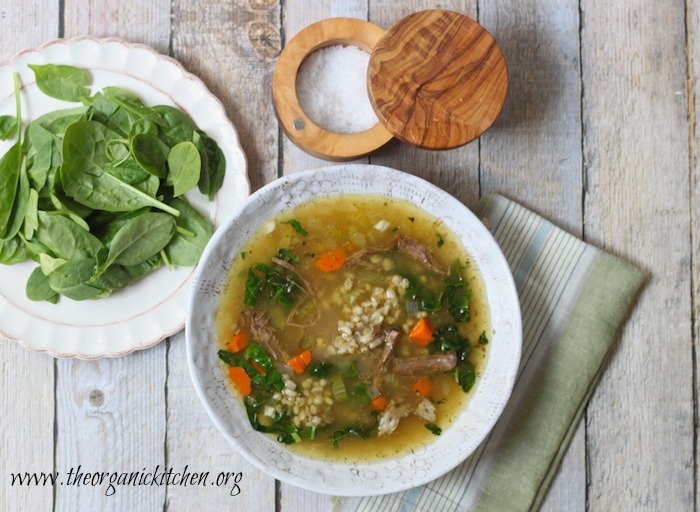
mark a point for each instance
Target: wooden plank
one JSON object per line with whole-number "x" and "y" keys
{"x": 641, "y": 419}
{"x": 194, "y": 441}
{"x": 27, "y": 381}
{"x": 111, "y": 418}
{"x": 111, "y": 413}
{"x": 138, "y": 22}
{"x": 692, "y": 45}
{"x": 232, "y": 46}
{"x": 533, "y": 151}
{"x": 26, "y": 426}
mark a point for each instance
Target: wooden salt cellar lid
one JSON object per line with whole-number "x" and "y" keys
{"x": 437, "y": 79}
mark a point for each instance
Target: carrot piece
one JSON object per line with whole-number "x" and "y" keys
{"x": 423, "y": 386}
{"x": 238, "y": 342}
{"x": 240, "y": 379}
{"x": 330, "y": 261}
{"x": 422, "y": 332}
{"x": 379, "y": 403}
{"x": 257, "y": 367}
{"x": 299, "y": 362}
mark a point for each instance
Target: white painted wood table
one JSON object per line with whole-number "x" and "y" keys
{"x": 599, "y": 134}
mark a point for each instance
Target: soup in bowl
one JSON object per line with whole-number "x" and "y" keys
{"x": 353, "y": 330}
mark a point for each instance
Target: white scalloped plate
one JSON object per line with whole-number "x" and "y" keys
{"x": 153, "y": 308}
{"x": 420, "y": 465}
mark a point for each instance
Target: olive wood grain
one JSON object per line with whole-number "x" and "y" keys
{"x": 437, "y": 79}
{"x": 296, "y": 124}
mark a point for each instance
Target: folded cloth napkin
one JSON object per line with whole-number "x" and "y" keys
{"x": 573, "y": 299}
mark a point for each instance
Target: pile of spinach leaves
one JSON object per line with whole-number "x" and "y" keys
{"x": 95, "y": 194}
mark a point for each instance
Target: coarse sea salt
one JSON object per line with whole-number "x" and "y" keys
{"x": 332, "y": 89}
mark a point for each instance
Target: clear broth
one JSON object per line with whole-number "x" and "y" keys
{"x": 351, "y": 222}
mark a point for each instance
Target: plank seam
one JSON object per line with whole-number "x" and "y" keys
{"x": 690, "y": 91}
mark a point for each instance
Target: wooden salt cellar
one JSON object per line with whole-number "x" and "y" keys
{"x": 436, "y": 79}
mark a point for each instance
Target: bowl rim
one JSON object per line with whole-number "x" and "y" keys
{"x": 326, "y": 180}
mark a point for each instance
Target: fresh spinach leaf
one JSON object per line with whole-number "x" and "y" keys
{"x": 8, "y": 127}
{"x": 84, "y": 172}
{"x": 38, "y": 287}
{"x": 66, "y": 239}
{"x": 117, "y": 277}
{"x": 41, "y": 154}
{"x": 175, "y": 126}
{"x": 62, "y": 82}
{"x": 184, "y": 165}
{"x": 10, "y": 170}
{"x": 96, "y": 171}
{"x": 12, "y": 251}
{"x": 48, "y": 263}
{"x": 72, "y": 280}
{"x": 57, "y": 121}
{"x": 211, "y": 177}
{"x": 151, "y": 153}
{"x": 192, "y": 233}
{"x": 31, "y": 216}
{"x": 19, "y": 205}
{"x": 141, "y": 238}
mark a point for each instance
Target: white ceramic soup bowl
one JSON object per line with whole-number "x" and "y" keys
{"x": 419, "y": 466}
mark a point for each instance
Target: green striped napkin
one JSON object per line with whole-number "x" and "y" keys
{"x": 574, "y": 299}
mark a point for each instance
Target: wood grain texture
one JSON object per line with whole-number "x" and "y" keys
{"x": 27, "y": 379}
{"x": 533, "y": 152}
{"x": 111, "y": 418}
{"x": 145, "y": 22}
{"x": 194, "y": 441}
{"x": 232, "y": 47}
{"x": 437, "y": 79}
{"x": 693, "y": 52}
{"x": 455, "y": 170}
{"x": 641, "y": 418}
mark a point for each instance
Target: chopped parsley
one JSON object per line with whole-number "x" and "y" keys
{"x": 433, "y": 428}
{"x": 483, "y": 340}
{"x": 297, "y": 227}
{"x": 288, "y": 256}
{"x": 440, "y": 240}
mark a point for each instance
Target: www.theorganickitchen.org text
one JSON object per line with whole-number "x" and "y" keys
{"x": 112, "y": 480}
